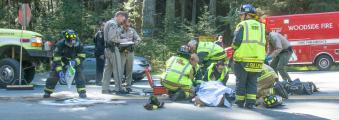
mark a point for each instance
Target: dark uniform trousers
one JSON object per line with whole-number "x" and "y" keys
{"x": 246, "y": 83}
{"x": 54, "y": 78}
{"x": 279, "y": 63}
{"x": 100, "y": 63}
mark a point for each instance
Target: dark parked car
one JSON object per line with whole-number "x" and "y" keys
{"x": 89, "y": 64}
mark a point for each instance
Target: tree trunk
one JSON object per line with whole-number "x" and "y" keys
{"x": 9, "y": 18}
{"x": 138, "y": 20}
{"x": 170, "y": 15}
{"x": 194, "y": 11}
{"x": 52, "y": 8}
{"x": 183, "y": 9}
{"x": 213, "y": 7}
{"x": 213, "y": 10}
{"x": 148, "y": 13}
{"x": 98, "y": 5}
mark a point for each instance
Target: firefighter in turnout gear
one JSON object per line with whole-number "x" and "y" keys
{"x": 179, "y": 75}
{"x": 68, "y": 50}
{"x": 217, "y": 71}
{"x": 208, "y": 53}
{"x": 268, "y": 84}
{"x": 269, "y": 88}
{"x": 249, "y": 55}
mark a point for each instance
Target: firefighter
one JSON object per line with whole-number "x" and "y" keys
{"x": 268, "y": 84}
{"x": 112, "y": 32}
{"x": 179, "y": 75}
{"x": 208, "y": 53}
{"x": 249, "y": 55}
{"x": 127, "y": 52}
{"x": 217, "y": 71}
{"x": 68, "y": 50}
{"x": 99, "y": 53}
{"x": 198, "y": 76}
{"x": 280, "y": 51}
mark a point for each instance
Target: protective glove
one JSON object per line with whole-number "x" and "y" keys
{"x": 268, "y": 58}
{"x": 61, "y": 74}
{"x": 73, "y": 63}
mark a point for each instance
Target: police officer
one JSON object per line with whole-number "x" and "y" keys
{"x": 217, "y": 71}
{"x": 280, "y": 51}
{"x": 179, "y": 75}
{"x": 249, "y": 55}
{"x": 208, "y": 53}
{"x": 99, "y": 53}
{"x": 127, "y": 52}
{"x": 68, "y": 50}
{"x": 112, "y": 32}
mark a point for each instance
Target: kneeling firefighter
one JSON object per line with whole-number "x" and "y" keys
{"x": 270, "y": 90}
{"x": 208, "y": 53}
{"x": 179, "y": 75}
{"x": 217, "y": 71}
{"x": 68, "y": 51}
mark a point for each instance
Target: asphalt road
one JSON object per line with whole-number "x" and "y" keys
{"x": 28, "y": 105}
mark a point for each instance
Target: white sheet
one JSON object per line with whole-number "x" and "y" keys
{"x": 212, "y": 92}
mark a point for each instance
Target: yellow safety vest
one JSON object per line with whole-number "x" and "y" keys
{"x": 210, "y": 71}
{"x": 177, "y": 74}
{"x": 215, "y": 52}
{"x": 252, "y": 48}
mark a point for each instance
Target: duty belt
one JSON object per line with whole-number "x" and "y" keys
{"x": 111, "y": 46}
{"x": 127, "y": 48}
{"x": 289, "y": 49}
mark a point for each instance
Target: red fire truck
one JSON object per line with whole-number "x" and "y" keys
{"x": 314, "y": 37}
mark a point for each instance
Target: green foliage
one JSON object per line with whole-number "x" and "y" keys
{"x": 153, "y": 50}
{"x": 8, "y": 13}
{"x": 50, "y": 17}
{"x": 205, "y": 25}
{"x": 134, "y": 9}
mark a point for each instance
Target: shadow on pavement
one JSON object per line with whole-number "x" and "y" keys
{"x": 285, "y": 115}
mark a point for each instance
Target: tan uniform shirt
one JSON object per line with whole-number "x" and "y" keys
{"x": 112, "y": 31}
{"x": 277, "y": 43}
{"x": 130, "y": 36}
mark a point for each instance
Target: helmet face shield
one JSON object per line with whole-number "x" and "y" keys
{"x": 272, "y": 101}
{"x": 70, "y": 37}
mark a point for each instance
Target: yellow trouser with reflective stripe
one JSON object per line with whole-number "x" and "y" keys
{"x": 173, "y": 86}
{"x": 265, "y": 86}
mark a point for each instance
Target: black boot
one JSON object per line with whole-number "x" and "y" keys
{"x": 82, "y": 95}
{"x": 230, "y": 97}
{"x": 47, "y": 95}
{"x": 250, "y": 105}
{"x": 240, "y": 104}
{"x": 179, "y": 95}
